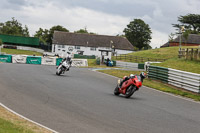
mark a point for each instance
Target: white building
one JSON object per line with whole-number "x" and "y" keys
{"x": 89, "y": 44}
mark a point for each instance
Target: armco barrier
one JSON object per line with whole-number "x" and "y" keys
{"x": 140, "y": 66}
{"x": 186, "y": 80}
{"x": 129, "y": 65}
{"x": 158, "y": 73}
{"x": 126, "y": 64}
{"x": 34, "y": 60}
{"x": 6, "y": 58}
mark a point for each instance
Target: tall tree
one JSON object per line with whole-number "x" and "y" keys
{"x": 138, "y": 33}
{"x": 46, "y": 36}
{"x": 81, "y": 31}
{"x": 55, "y": 28}
{"x": 191, "y": 23}
{"x": 42, "y": 34}
{"x": 13, "y": 27}
{"x": 84, "y": 31}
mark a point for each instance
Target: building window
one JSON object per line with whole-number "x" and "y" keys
{"x": 93, "y": 49}
{"x": 77, "y": 47}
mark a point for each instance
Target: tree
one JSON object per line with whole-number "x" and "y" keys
{"x": 51, "y": 31}
{"x": 138, "y": 33}
{"x": 81, "y": 31}
{"x": 84, "y": 31}
{"x": 13, "y": 27}
{"x": 46, "y": 36}
{"x": 42, "y": 34}
{"x": 171, "y": 37}
{"x": 191, "y": 23}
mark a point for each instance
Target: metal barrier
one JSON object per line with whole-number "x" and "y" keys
{"x": 129, "y": 65}
{"x": 186, "y": 80}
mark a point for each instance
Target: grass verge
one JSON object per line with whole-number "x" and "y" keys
{"x": 181, "y": 64}
{"x": 11, "y": 123}
{"x": 18, "y": 51}
{"x": 155, "y": 84}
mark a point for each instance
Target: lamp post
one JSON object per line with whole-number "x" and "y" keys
{"x": 113, "y": 50}
{"x": 181, "y": 32}
{"x": 180, "y": 39}
{"x": 111, "y": 46}
{"x": 111, "y": 42}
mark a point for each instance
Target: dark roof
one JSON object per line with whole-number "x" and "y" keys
{"x": 91, "y": 40}
{"x": 191, "y": 39}
{"x": 165, "y": 45}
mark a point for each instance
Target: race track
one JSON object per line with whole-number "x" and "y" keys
{"x": 82, "y": 101}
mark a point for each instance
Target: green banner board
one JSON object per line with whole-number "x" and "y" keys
{"x": 26, "y": 41}
{"x": 33, "y": 60}
{"x": 6, "y": 58}
{"x": 58, "y": 60}
{"x": 84, "y": 56}
{"x": 140, "y": 66}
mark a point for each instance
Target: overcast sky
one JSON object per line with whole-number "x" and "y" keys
{"x": 104, "y": 17}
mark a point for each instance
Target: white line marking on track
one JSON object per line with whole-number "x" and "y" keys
{"x": 53, "y": 131}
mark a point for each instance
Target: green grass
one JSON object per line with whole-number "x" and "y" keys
{"x": 161, "y": 53}
{"x": 181, "y": 64}
{"x": 18, "y": 51}
{"x": 155, "y": 84}
{"x": 170, "y": 53}
{"x": 9, "y": 127}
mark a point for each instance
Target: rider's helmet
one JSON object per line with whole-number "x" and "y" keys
{"x": 132, "y": 75}
{"x": 142, "y": 75}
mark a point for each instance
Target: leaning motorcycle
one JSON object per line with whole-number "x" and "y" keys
{"x": 63, "y": 66}
{"x": 129, "y": 87}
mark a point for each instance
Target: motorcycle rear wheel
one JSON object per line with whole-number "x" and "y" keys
{"x": 130, "y": 90}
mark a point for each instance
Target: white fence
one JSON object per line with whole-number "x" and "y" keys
{"x": 185, "y": 80}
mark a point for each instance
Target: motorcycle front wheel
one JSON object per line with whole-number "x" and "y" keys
{"x": 130, "y": 90}
{"x": 59, "y": 71}
{"x": 116, "y": 91}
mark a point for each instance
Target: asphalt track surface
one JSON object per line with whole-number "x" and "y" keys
{"x": 82, "y": 101}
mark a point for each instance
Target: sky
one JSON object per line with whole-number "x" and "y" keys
{"x": 104, "y": 17}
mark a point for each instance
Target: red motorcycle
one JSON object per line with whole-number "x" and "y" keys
{"x": 129, "y": 86}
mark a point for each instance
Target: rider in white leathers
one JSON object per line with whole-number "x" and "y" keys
{"x": 67, "y": 59}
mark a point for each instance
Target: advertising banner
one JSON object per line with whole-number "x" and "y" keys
{"x": 79, "y": 62}
{"x": 48, "y": 60}
{"x": 19, "y": 58}
{"x": 75, "y": 62}
{"x": 34, "y": 60}
{"x": 6, "y": 58}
